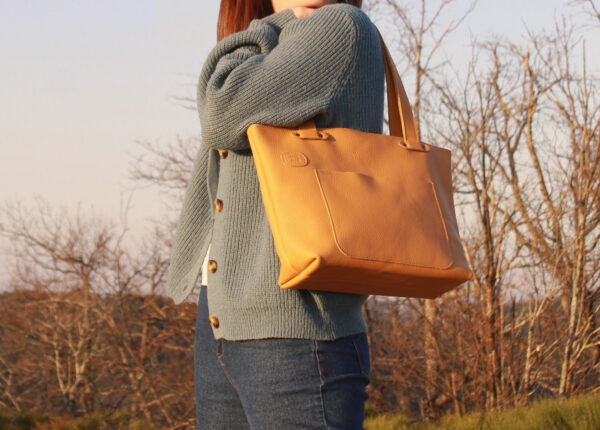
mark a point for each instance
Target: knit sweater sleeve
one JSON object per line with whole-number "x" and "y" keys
{"x": 280, "y": 71}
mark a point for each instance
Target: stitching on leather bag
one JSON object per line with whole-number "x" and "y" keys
{"x": 257, "y": 161}
{"x": 335, "y": 236}
{"x": 315, "y": 170}
{"x": 441, "y": 215}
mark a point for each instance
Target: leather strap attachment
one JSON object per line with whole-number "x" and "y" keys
{"x": 308, "y": 130}
{"x": 402, "y": 121}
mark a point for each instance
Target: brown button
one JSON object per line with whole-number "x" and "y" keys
{"x": 223, "y": 153}
{"x": 212, "y": 266}
{"x": 218, "y": 205}
{"x": 213, "y": 321}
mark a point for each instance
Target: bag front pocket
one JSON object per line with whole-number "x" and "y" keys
{"x": 385, "y": 219}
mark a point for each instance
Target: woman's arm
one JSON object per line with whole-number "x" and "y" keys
{"x": 280, "y": 71}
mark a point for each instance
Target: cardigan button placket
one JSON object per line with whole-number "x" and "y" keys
{"x": 218, "y": 205}
{"x": 212, "y": 266}
{"x": 214, "y": 321}
{"x": 239, "y": 172}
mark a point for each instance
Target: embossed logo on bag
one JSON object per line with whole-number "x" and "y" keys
{"x": 294, "y": 159}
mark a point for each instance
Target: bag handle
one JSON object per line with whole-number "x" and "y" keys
{"x": 402, "y": 122}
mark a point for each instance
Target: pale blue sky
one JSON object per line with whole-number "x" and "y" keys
{"x": 82, "y": 80}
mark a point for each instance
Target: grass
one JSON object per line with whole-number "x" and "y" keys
{"x": 577, "y": 413}
{"x": 28, "y": 420}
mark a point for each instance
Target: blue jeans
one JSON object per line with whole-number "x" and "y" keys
{"x": 278, "y": 383}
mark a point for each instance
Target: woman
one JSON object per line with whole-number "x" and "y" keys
{"x": 266, "y": 357}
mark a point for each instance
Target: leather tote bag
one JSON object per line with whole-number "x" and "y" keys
{"x": 362, "y": 213}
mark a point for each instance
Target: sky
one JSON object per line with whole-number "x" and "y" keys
{"x": 81, "y": 81}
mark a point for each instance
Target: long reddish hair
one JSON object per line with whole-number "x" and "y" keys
{"x": 235, "y": 15}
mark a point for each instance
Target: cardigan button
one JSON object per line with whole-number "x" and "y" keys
{"x": 218, "y": 205}
{"x": 212, "y": 266}
{"x": 214, "y": 321}
{"x": 223, "y": 153}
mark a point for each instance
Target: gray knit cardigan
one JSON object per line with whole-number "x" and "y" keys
{"x": 280, "y": 71}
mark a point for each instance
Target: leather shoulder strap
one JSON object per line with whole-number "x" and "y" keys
{"x": 402, "y": 122}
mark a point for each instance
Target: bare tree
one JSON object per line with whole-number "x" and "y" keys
{"x": 465, "y": 116}
{"x": 552, "y": 175}
{"x": 592, "y": 7}
{"x": 53, "y": 253}
{"x": 82, "y": 332}
{"x": 421, "y": 34}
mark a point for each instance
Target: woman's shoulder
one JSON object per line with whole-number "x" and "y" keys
{"x": 337, "y": 17}
{"x": 342, "y": 12}
{"x": 338, "y": 21}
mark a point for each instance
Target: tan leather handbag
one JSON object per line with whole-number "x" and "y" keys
{"x": 357, "y": 212}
